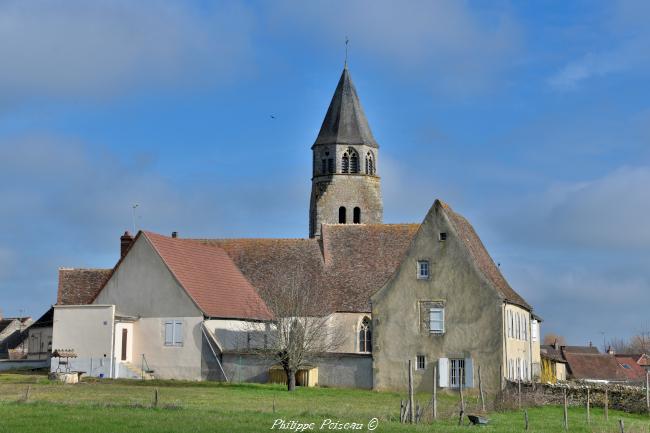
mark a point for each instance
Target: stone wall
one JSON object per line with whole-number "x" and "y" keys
{"x": 628, "y": 398}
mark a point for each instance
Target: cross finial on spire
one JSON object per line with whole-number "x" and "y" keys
{"x": 346, "y": 52}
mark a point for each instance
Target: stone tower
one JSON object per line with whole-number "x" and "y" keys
{"x": 345, "y": 185}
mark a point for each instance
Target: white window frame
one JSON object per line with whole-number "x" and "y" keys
{"x": 457, "y": 373}
{"x": 176, "y": 337}
{"x": 441, "y": 330}
{"x": 421, "y": 264}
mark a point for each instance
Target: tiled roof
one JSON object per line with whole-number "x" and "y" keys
{"x": 629, "y": 368}
{"x": 345, "y": 121}
{"x": 350, "y": 263}
{"x": 45, "y": 320}
{"x": 593, "y": 366}
{"x": 482, "y": 258}
{"x": 80, "y": 286}
{"x": 580, "y": 349}
{"x": 551, "y": 353}
{"x": 210, "y": 278}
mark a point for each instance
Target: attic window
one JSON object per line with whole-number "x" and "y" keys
{"x": 442, "y": 236}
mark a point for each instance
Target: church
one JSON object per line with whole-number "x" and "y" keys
{"x": 428, "y": 292}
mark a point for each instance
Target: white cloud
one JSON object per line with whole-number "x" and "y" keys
{"x": 103, "y": 48}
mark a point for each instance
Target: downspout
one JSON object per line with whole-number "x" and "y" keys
{"x": 113, "y": 344}
{"x": 530, "y": 346}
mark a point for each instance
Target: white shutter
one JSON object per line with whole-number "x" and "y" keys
{"x": 443, "y": 373}
{"x": 178, "y": 333}
{"x": 469, "y": 373}
{"x": 169, "y": 333}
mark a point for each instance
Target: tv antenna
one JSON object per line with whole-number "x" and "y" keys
{"x": 347, "y": 41}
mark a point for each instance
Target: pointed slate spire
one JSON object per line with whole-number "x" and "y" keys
{"x": 345, "y": 121}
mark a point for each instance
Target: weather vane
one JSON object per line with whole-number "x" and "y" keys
{"x": 346, "y": 51}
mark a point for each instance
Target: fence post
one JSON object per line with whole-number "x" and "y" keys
{"x": 621, "y": 425}
{"x": 435, "y": 392}
{"x": 647, "y": 389}
{"x": 519, "y": 392}
{"x": 566, "y": 413}
{"x": 480, "y": 389}
{"x": 461, "y": 377}
{"x": 410, "y": 411}
{"x": 606, "y": 405}
{"x": 588, "y": 403}
{"x": 526, "y": 418}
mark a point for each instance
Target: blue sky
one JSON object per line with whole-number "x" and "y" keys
{"x": 530, "y": 118}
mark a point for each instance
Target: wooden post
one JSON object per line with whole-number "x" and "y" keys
{"x": 588, "y": 403}
{"x": 526, "y": 419}
{"x": 606, "y": 406}
{"x": 621, "y": 425}
{"x": 519, "y": 393}
{"x": 647, "y": 389}
{"x": 410, "y": 403}
{"x": 274, "y": 404}
{"x": 26, "y": 397}
{"x": 480, "y": 389}
{"x": 566, "y": 413}
{"x": 435, "y": 392}
{"x": 461, "y": 376}
{"x": 155, "y": 397}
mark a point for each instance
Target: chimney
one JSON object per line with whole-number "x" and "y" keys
{"x": 125, "y": 242}
{"x": 611, "y": 351}
{"x": 556, "y": 346}
{"x": 174, "y": 235}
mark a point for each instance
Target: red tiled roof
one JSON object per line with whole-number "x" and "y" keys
{"x": 80, "y": 286}
{"x": 630, "y": 369}
{"x": 350, "y": 263}
{"x": 210, "y": 278}
{"x": 592, "y": 366}
{"x": 482, "y": 258}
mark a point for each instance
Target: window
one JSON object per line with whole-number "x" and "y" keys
{"x": 356, "y": 215}
{"x": 354, "y": 161}
{"x": 173, "y": 333}
{"x": 324, "y": 166}
{"x": 330, "y": 165}
{"x": 437, "y": 320}
{"x": 370, "y": 165}
{"x": 342, "y": 215}
{"x": 456, "y": 372}
{"x": 442, "y": 236}
{"x": 420, "y": 362}
{"x": 345, "y": 163}
{"x": 423, "y": 269}
{"x": 365, "y": 335}
{"x": 534, "y": 329}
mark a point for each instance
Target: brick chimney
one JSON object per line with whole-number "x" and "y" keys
{"x": 611, "y": 351}
{"x": 125, "y": 242}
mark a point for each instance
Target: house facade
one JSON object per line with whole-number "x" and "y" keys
{"x": 427, "y": 292}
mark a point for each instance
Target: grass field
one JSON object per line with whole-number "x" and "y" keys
{"x": 126, "y": 406}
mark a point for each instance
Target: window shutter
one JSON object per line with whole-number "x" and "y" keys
{"x": 469, "y": 373}
{"x": 443, "y": 372}
{"x": 178, "y": 333}
{"x": 169, "y": 333}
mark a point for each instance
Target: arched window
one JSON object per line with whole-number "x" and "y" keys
{"x": 342, "y": 215}
{"x": 356, "y": 215}
{"x": 370, "y": 164}
{"x": 354, "y": 161}
{"x": 345, "y": 163}
{"x": 365, "y": 335}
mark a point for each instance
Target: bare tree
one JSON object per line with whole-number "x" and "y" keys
{"x": 552, "y": 338}
{"x": 302, "y": 327}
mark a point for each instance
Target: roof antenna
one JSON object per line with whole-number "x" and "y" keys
{"x": 345, "y": 65}
{"x": 134, "y": 207}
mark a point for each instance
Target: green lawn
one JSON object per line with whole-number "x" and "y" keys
{"x": 125, "y": 406}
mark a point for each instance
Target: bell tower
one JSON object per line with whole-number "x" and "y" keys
{"x": 345, "y": 182}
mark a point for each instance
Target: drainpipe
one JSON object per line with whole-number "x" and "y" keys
{"x": 504, "y": 361}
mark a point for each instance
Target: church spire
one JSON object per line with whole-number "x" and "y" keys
{"x": 345, "y": 121}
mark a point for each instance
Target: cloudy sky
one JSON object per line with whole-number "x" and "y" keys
{"x": 530, "y": 118}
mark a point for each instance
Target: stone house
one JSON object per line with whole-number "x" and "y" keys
{"x": 12, "y": 336}
{"x": 428, "y": 292}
